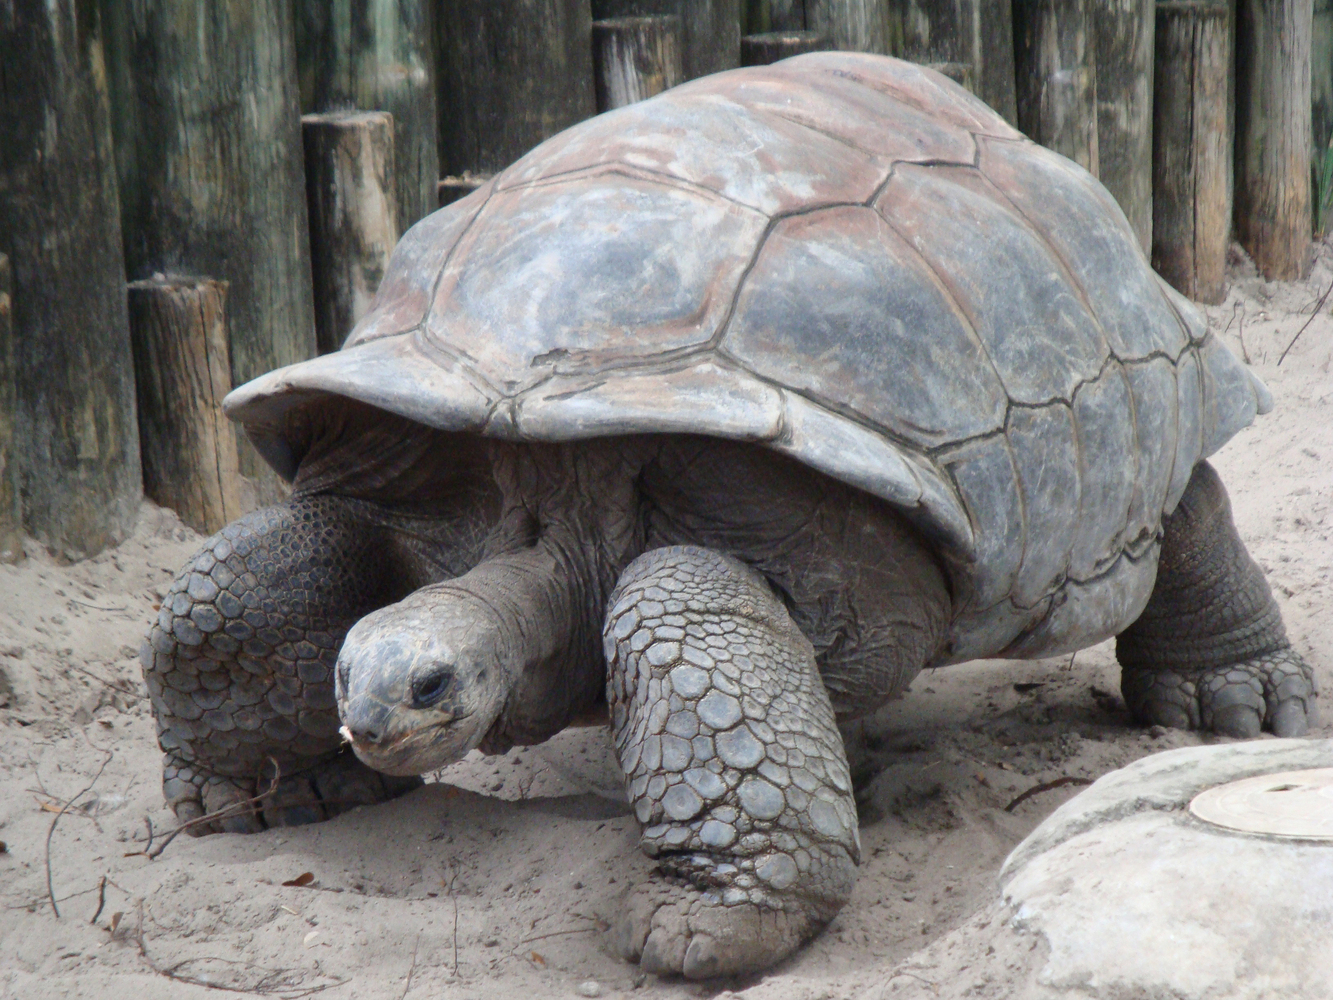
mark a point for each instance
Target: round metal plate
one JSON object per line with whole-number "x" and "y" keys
{"x": 1294, "y": 804}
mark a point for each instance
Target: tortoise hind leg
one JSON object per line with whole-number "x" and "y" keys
{"x": 1209, "y": 650}
{"x": 239, "y": 665}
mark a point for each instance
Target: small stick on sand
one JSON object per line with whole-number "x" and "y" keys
{"x": 50, "y": 889}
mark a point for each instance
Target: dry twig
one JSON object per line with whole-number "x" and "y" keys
{"x": 1045, "y": 786}
{"x": 411, "y": 968}
{"x": 50, "y": 888}
{"x": 226, "y": 812}
{"x": 1319, "y": 305}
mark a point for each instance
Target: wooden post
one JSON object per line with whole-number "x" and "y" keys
{"x": 353, "y": 219}
{"x": 208, "y": 145}
{"x": 74, "y": 422}
{"x": 976, "y": 33}
{"x": 710, "y": 39}
{"x": 183, "y": 370}
{"x": 1124, "y": 35}
{"x": 635, "y": 58}
{"x": 760, "y": 17}
{"x": 1272, "y": 200}
{"x": 1192, "y": 148}
{"x": 11, "y": 512}
{"x": 377, "y": 55}
{"x": 510, "y": 74}
{"x": 1056, "y": 74}
{"x": 851, "y": 25}
{"x": 1321, "y": 112}
{"x": 770, "y": 46}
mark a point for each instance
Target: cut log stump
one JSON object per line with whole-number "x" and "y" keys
{"x": 1192, "y": 148}
{"x": 770, "y": 46}
{"x": 353, "y": 216}
{"x": 851, "y": 25}
{"x": 710, "y": 30}
{"x": 1272, "y": 191}
{"x": 1055, "y": 69}
{"x": 635, "y": 58}
{"x": 183, "y": 369}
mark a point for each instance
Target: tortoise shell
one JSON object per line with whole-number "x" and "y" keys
{"x": 845, "y": 258}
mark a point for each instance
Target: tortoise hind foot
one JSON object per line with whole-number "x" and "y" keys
{"x": 1275, "y": 691}
{"x": 332, "y": 785}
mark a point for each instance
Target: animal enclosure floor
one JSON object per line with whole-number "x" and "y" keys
{"x": 500, "y": 877}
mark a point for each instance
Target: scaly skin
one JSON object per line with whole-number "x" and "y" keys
{"x": 1209, "y": 650}
{"x": 733, "y": 764}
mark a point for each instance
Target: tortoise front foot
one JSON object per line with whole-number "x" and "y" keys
{"x": 332, "y": 785}
{"x": 734, "y": 767}
{"x": 1275, "y": 691}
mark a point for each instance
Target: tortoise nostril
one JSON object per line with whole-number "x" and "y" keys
{"x": 366, "y": 735}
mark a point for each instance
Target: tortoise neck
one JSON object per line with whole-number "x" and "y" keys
{"x": 569, "y": 525}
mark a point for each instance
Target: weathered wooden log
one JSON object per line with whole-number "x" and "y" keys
{"x": 74, "y": 423}
{"x": 1192, "y": 147}
{"x": 710, "y": 39}
{"x": 1055, "y": 70}
{"x": 1321, "y": 114}
{"x": 183, "y": 369}
{"x": 1123, "y": 30}
{"x": 1272, "y": 191}
{"x": 350, "y": 200}
{"x": 208, "y": 145}
{"x": 770, "y": 46}
{"x": 851, "y": 25}
{"x": 976, "y": 33}
{"x": 450, "y": 189}
{"x": 761, "y": 17}
{"x": 511, "y": 73}
{"x": 377, "y": 55}
{"x": 635, "y": 58}
{"x": 11, "y": 512}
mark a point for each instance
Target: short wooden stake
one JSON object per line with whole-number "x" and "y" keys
{"x": 770, "y": 46}
{"x": 11, "y": 513}
{"x": 1192, "y": 148}
{"x": 851, "y": 25}
{"x": 634, "y": 58}
{"x": 1123, "y": 30}
{"x": 710, "y": 30}
{"x": 1272, "y": 194}
{"x": 353, "y": 215}
{"x": 183, "y": 370}
{"x": 1056, "y": 74}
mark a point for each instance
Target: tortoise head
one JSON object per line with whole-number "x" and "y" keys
{"x": 420, "y": 682}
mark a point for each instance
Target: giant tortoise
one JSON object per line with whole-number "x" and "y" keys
{"x": 735, "y": 408}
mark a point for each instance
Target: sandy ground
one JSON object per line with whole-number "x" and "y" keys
{"x": 499, "y": 878}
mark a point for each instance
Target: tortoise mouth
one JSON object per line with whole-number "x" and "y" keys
{"x": 414, "y": 751}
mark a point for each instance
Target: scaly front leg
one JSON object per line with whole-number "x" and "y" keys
{"x": 734, "y": 767}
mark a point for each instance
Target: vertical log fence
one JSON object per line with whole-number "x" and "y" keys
{"x": 770, "y": 46}
{"x": 1272, "y": 190}
{"x": 1124, "y": 31}
{"x": 1192, "y": 148}
{"x": 11, "y": 512}
{"x": 208, "y": 145}
{"x": 73, "y": 407}
{"x": 1056, "y": 71}
{"x": 977, "y": 34}
{"x": 710, "y": 30}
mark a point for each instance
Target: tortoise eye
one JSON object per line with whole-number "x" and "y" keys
{"x": 431, "y": 687}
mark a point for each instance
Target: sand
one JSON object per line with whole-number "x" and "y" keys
{"x": 499, "y": 878}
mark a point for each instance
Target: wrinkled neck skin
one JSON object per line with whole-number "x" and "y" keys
{"x": 509, "y": 652}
